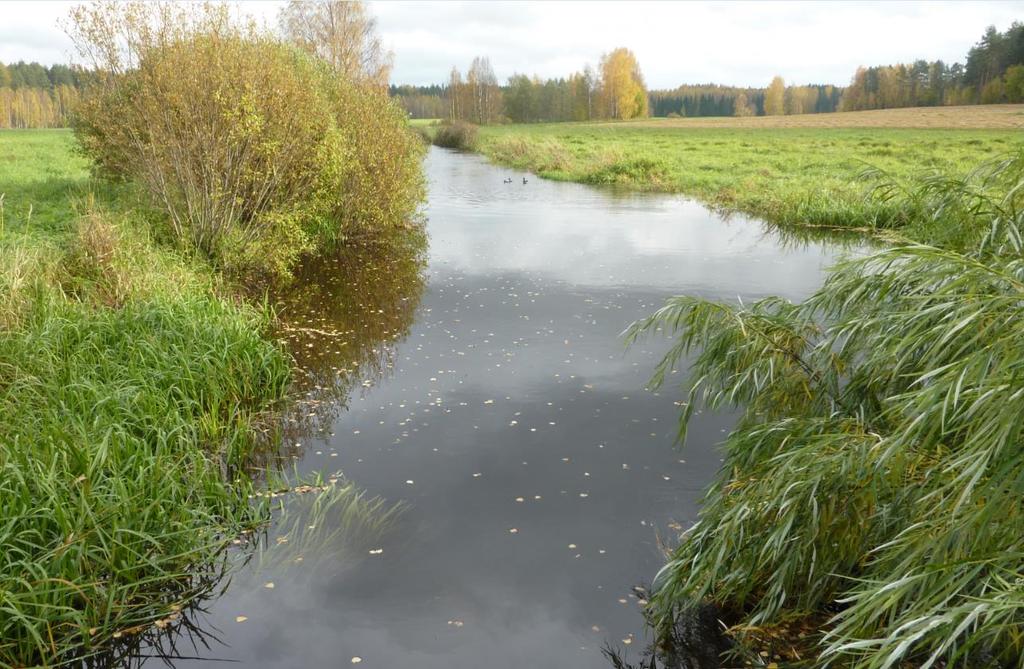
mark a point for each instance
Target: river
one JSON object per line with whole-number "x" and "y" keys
{"x": 489, "y": 394}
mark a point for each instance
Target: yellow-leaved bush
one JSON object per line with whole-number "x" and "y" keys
{"x": 256, "y": 152}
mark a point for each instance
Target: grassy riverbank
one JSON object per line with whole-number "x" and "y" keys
{"x": 788, "y": 174}
{"x": 129, "y": 387}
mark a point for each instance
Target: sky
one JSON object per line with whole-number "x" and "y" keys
{"x": 736, "y": 43}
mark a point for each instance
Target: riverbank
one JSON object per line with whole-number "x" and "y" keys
{"x": 790, "y": 175}
{"x": 130, "y": 387}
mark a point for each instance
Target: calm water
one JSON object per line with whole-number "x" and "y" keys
{"x": 488, "y": 393}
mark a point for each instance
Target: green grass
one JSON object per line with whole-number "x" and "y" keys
{"x": 787, "y": 176}
{"x": 129, "y": 389}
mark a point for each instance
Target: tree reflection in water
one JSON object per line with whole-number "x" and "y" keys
{"x": 341, "y": 319}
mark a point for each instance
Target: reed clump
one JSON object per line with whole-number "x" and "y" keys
{"x": 456, "y": 135}
{"x": 125, "y": 429}
{"x": 873, "y": 482}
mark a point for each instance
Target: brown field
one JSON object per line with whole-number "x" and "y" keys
{"x": 1003, "y": 117}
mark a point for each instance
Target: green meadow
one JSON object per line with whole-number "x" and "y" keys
{"x": 788, "y": 176}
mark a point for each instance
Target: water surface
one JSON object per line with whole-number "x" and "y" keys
{"x": 490, "y": 393}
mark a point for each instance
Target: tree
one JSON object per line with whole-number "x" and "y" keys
{"x": 1014, "y": 86}
{"x": 455, "y": 94}
{"x": 992, "y": 93}
{"x": 483, "y": 90}
{"x": 741, "y": 107}
{"x": 5, "y": 76}
{"x": 519, "y": 99}
{"x": 342, "y": 33}
{"x": 623, "y": 89}
{"x": 775, "y": 98}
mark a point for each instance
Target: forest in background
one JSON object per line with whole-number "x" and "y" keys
{"x": 992, "y": 73}
{"x": 37, "y": 96}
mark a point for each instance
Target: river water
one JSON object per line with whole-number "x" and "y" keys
{"x": 487, "y": 392}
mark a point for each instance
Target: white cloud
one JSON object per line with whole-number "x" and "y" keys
{"x": 743, "y": 43}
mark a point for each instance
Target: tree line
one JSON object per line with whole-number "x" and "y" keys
{"x": 37, "y": 96}
{"x": 717, "y": 100}
{"x": 613, "y": 90}
{"x": 993, "y": 73}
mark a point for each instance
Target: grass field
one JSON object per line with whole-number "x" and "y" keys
{"x": 800, "y": 170}
{"x": 129, "y": 387}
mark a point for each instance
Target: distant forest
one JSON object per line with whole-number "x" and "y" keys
{"x": 993, "y": 73}
{"x": 36, "y": 96}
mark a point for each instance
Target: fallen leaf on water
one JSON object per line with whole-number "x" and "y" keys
{"x": 376, "y": 551}
{"x": 241, "y": 619}
{"x": 513, "y": 531}
{"x": 269, "y": 585}
{"x": 356, "y": 659}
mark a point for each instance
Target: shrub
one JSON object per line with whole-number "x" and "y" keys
{"x": 256, "y": 151}
{"x": 456, "y": 135}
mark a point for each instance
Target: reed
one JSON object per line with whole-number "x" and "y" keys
{"x": 873, "y": 483}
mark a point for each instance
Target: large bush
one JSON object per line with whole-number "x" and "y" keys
{"x": 256, "y": 151}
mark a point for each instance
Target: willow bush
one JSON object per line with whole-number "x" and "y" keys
{"x": 876, "y": 477}
{"x": 256, "y": 151}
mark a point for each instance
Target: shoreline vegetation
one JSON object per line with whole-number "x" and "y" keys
{"x": 867, "y": 513}
{"x": 139, "y": 388}
{"x": 790, "y": 171}
{"x": 868, "y": 510}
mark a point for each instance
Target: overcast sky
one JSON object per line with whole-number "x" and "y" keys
{"x": 740, "y": 43}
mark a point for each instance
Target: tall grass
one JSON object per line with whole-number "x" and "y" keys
{"x": 121, "y": 428}
{"x": 129, "y": 389}
{"x": 875, "y": 479}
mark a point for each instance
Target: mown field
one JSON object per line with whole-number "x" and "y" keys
{"x": 976, "y": 117}
{"x": 807, "y": 170}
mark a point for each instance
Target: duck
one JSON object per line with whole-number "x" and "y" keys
{"x": 508, "y": 180}
{"x": 524, "y": 180}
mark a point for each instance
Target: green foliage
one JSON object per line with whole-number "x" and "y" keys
{"x": 119, "y": 425}
{"x": 128, "y": 394}
{"x": 1015, "y": 84}
{"x": 877, "y": 470}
